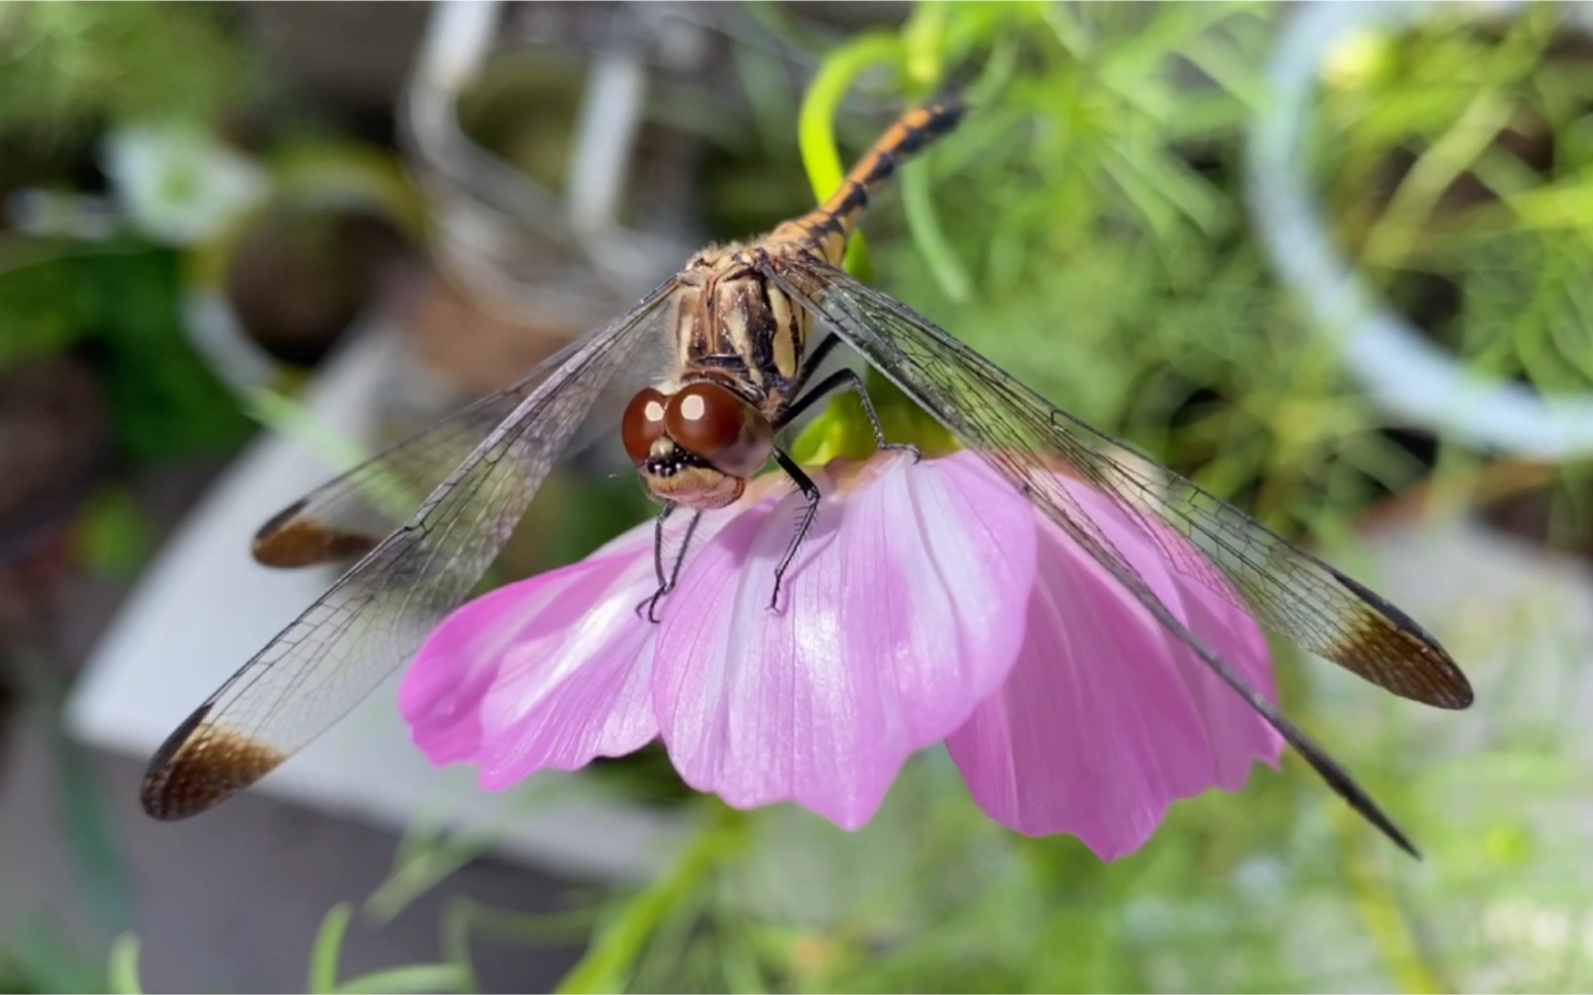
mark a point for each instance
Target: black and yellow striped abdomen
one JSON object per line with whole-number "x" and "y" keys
{"x": 829, "y": 226}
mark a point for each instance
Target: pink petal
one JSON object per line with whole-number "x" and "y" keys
{"x": 1105, "y": 720}
{"x": 549, "y": 672}
{"x": 903, "y": 609}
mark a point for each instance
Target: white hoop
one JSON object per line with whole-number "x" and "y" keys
{"x": 1403, "y": 372}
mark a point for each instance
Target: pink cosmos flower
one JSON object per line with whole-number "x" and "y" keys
{"x": 931, "y": 603}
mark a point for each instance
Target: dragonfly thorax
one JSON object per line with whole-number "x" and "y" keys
{"x": 731, "y": 322}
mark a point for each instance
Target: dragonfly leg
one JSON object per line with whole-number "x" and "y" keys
{"x": 666, "y": 584}
{"x": 844, "y": 380}
{"x": 685, "y": 544}
{"x": 809, "y": 490}
{"x": 658, "y": 539}
{"x": 816, "y": 359}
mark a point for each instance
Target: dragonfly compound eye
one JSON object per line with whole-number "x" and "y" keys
{"x": 712, "y": 422}
{"x": 644, "y": 423}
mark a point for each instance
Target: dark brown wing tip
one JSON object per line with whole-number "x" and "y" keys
{"x": 1451, "y": 690}
{"x": 1422, "y": 670}
{"x": 289, "y": 539}
{"x": 199, "y": 766}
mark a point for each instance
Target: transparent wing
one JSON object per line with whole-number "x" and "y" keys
{"x": 378, "y": 613}
{"x": 1287, "y": 589}
{"x": 349, "y": 515}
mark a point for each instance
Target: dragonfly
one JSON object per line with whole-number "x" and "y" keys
{"x": 716, "y": 361}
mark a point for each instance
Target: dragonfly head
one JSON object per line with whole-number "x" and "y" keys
{"x": 697, "y": 446}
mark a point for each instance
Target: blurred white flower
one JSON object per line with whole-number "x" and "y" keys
{"x": 177, "y": 184}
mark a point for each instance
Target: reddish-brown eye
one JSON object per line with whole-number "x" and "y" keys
{"x": 709, "y": 420}
{"x": 644, "y": 423}
{"x": 704, "y": 418}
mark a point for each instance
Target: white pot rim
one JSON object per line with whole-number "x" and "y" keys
{"x": 1403, "y": 372}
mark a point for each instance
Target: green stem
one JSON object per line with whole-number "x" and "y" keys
{"x": 918, "y": 197}
{"x": 816, "y": 124}
{"x": 607, "y": 964}
{"x": 1391, "y": 932}
{"x": 1391, "y": 241}
{"x": 123, "y": 969}
{"x": 324, "y": 954}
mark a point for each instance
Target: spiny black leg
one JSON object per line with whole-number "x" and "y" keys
{"x": 658, "y": 539}
{"x": 815, "y": 359}
{"x": 665, "y": 585}
{"x": 685, "y": 544}
{"x": 843, "y": 380}
{"x": 809, "y": 490}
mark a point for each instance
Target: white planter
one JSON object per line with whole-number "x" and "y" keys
{"x": 1404, "y": 373}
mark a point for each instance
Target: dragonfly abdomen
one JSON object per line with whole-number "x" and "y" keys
{"x": 828, "y": 227}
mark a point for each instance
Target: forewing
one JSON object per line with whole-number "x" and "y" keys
{"x": 378, "y": 613}
{"x": 349, "y": 515}
{"x": 1028, "y": 440}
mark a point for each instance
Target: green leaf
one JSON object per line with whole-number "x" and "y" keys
{"x": 609, "y": 961}
{"x": 123, "y": 968}
{"x": 325, "y": 954}
{"x": 918, "y": 197}
{"x": 40, "y": 312}
{"x": 424, "y": 864}
{"x": 114, "y": 534}
{"x": 167, "y": 403}
{"x": 37, "y": 958}
{"x": 409, "y": 978}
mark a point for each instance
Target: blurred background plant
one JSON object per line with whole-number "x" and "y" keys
{"x": 1087, "y": 228}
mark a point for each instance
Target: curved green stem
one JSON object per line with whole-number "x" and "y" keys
{"x": 1391, "y": 931}
{"x": 816, "y": 124}
{"x": 328, "y": 946}
{"x": 918, "y": 198}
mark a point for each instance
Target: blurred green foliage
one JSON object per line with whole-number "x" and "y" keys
{"x": 109, "y": 310}
{"x": 68, "y": 67}
{"x": 120, "y": 305}
{"x": 1094, "y": 202}
{"x": 1459, "y": 162}
{"x": 35, "y": 958}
